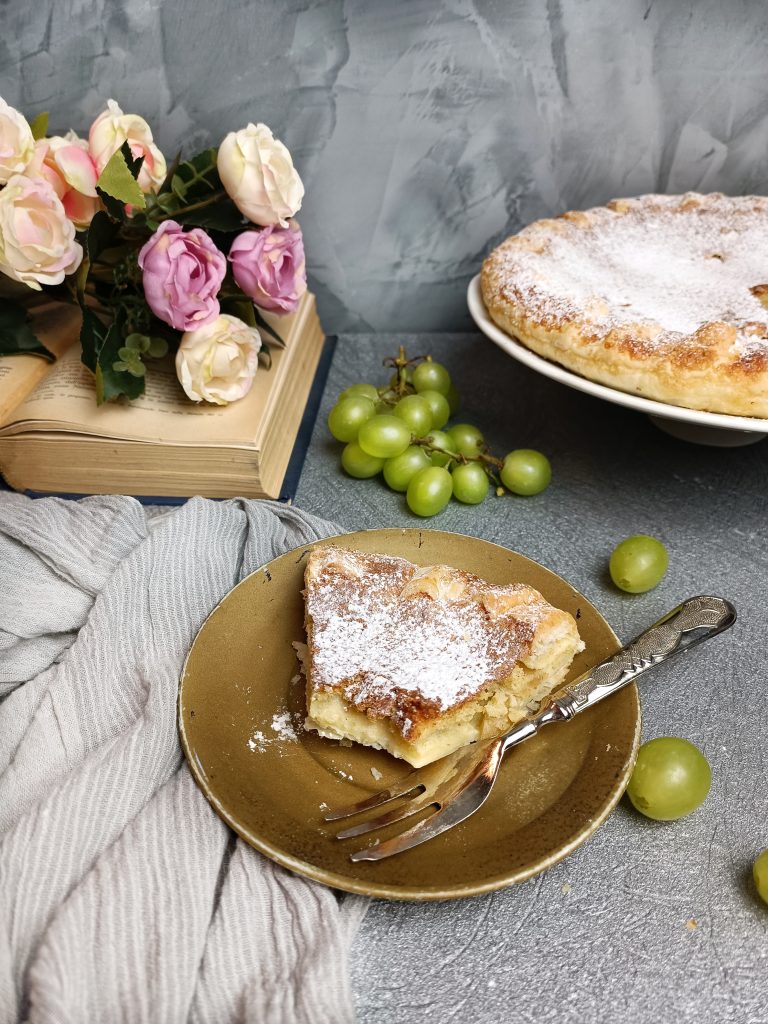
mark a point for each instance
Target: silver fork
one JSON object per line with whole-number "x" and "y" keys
{"x": 456, "y": 786}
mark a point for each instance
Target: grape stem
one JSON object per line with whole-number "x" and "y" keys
{"x": 401, "y": 388}
{"x": 485, "y": 458}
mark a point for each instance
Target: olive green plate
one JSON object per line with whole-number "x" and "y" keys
{"x": 240, "y": 681}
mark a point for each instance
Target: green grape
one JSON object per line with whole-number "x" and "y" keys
{"x": 404, "y": 374}
{"x": 429, "y": 491}
{"x": 760, "y": 875}
{"x": 467, "y": 440}
{"x": 470, "y": 483}
{"x": 364, "y": 390}
{"x": 414, "y": 411}
{"x": 454, "y": 400}
{"x": 429, "y": 376}
{"x": 399, "y": 471}
{"x": 526, "y": 471}
{"x": 439, "y": 439}
{"x": 384, "y": 436}
{"x": 670, "y": 779}
{"x": 438, "y": 405}
{"x": 358, "y": 463}
{"x": 638, "y": 564}
{"x": 348, "y": 415}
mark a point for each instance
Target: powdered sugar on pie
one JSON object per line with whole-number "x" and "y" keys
{"x": 659, "y": 295}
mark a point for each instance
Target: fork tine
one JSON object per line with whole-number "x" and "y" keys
{"x": 389, "y": 818}
{"x": 410, "y": 788}
{"x": 441, "y": 820}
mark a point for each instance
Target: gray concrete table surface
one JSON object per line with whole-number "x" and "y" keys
{"x": 646, "y": 922}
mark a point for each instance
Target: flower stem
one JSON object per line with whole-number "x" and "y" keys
{"x": 194, "y": 206}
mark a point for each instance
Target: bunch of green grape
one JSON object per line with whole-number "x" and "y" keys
{"x": 401, "y": 430}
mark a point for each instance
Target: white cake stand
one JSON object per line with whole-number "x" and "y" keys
{"x": 711, "y": 428}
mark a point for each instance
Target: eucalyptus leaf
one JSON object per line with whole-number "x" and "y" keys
{"x": 16, "y": 335}
{"x": 112, "y": 383}
{"x": 158, "y": 347}
{"x": 39, "y": 125}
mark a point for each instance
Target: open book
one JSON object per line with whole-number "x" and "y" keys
{"x": 53, "y": 436}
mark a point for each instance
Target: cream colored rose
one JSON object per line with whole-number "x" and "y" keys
{"x": 16, "y": 142}
{"x": 108, "y": 133}
{"x": 258, "y": 173}
{"x": 37, "y": 239}
{"x": 217, "y": 363}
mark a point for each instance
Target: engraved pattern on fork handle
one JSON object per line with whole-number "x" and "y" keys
{"x": 692, "y": 622}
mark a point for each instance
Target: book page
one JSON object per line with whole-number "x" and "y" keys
{"x": 58, "y": 328}
{"x": 65, "y": 400}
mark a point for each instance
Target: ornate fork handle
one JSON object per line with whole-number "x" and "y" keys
{"x": 686, "y": 626}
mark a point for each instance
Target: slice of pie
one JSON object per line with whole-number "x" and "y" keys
{"x": 660, "y": 296}
{"x": 421, "y": 661}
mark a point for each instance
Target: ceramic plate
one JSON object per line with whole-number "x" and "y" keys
{"x": 242, "y": 702}
{"x": 711, "y": 428}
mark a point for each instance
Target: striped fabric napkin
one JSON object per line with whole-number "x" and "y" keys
{"x": 122, "y": 896}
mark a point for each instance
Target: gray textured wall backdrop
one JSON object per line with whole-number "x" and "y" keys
{"x": 425, "y": 130}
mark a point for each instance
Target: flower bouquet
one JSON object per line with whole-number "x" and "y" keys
{"x": 180, "y": 258}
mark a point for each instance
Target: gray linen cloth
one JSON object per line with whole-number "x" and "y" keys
{"x": 123, "y": 897}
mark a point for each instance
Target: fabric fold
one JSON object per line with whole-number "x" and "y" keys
{"x": 122, "y": 895}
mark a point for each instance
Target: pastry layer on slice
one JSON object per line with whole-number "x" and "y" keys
{"x": 420, "y": 661}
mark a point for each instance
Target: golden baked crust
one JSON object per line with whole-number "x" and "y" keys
{"x": 420, "y": 661}
{"x": 660, "y": 296}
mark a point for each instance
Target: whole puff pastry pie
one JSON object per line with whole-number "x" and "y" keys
{"x": 660, "y": 296}
{"x": 421, "y": 661}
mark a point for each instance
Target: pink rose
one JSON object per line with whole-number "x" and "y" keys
{"x": 269, "y": 266}
{"x": 66, "y": 164}
{"x": 37, "y": 240}
{"x": 183, "y": 271}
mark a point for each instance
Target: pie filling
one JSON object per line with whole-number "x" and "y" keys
{"x": 421, "y": 661}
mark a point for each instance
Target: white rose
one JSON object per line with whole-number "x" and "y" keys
{"x": 16, "y": 143}
{"x": 108, "y": 133}
{"x": 37, "y": 239}
{"x": 217, "y": 363}
{"x": 258, "y": 173}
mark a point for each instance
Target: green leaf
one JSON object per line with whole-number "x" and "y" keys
{"x": 137, "y": 369}
{"x": 197, "y": 178}
{"x": 112, "y": 383}
{"x": 39, "y": 125}
{"x": 118, "y": 182}
{"x": 273, "y": 337}
{"x": 167, "y": 202}
{"x": 136, "y": 341}
{"x": 243, "y": 309}
{"x": 101, "y": 234}
{"x": 178, "y": 187}
{"x": 92, "y": 335}
{"x": 16, "y": 336}
{"x": 222, "y": 215}
{"x": 166, "y": 185}
{"x": 158, "y": 347}
{"x": 119, "y": 365}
